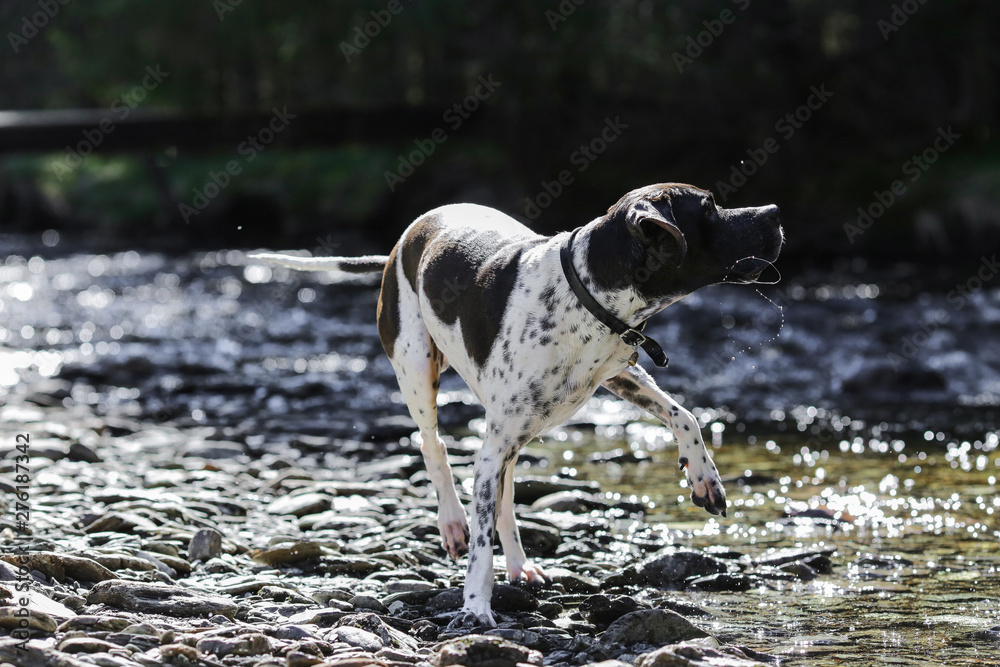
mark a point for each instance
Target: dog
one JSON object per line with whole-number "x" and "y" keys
{"x": 534, "y": 325}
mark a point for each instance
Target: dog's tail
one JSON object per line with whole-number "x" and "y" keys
{"x": 365, "y": 264}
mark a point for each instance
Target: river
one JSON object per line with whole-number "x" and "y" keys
{"x": 852, "y": 408}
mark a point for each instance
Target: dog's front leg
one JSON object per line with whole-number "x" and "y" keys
{"x": 636, "y": 386}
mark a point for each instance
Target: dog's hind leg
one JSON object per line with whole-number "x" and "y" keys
{"x": 518, "y": 565}
{"x": 418, "y": 375}
{"x": 418, "y": 363}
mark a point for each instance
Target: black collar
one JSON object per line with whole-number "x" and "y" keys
{"x": 628, "y": 335}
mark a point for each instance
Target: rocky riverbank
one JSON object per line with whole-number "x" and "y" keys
{"x": 149, "y": 544}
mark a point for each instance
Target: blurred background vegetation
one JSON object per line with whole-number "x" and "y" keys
{"x": 692, "y": 85}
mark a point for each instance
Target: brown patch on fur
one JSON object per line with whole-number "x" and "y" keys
{"x": 388, "y": 306}
{"x": 416, "y": 240}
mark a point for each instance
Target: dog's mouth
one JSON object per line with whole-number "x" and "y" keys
{"x": 750, "y": 269}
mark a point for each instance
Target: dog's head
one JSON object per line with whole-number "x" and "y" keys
{"x": 678, "y": 239}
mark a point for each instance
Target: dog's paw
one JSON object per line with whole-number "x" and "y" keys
{"x": 472, "y": 617}
{"x": 528, "y": 572}
{"x": 454, "y": 536}
{"x": 706, "y": 486}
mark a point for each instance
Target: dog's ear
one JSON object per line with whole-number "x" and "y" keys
{"x": 642, "y": 211}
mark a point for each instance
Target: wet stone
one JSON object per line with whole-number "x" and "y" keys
{"x": 576, "y": 501}
{"x": 11, "y": 618}
{"x": 35, "y": 654}
{"x": 570, "y": 581}
{"x": 366, "y": 641}
{"x": 159, "y": 599}
{"x": 695, "y": 655}
{"x": 527, "y": 638}
{"x": 81, "y": 452}
{"x": 723, "y": 581}
{"x": 366, "y": 602}
{"x": 530, "y": 488}
{"x": 668, "y": 569}
{"x": 652, "y": 627}
{"x": 60, "y": 566}
{"x": 293, "y": 552}
{"x": 484, "y": 651}
{"x": 408, "y": 586}
{"x": 300, "y": 504}
{"x": 602, "y": 610}
{"x": 206, "y": 543}
{"x": 253, "y": 643}
{"x": 86, "y": 645}
{"x": 90, "y": 623}
{"x": 212, "y": 449}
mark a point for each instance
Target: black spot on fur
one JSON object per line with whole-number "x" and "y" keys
{"x": 470, "y": 280}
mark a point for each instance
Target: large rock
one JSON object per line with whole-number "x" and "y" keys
{"x": 671, "y": 568}
{"x": 674, "y": 566}
{"x": 484, "y": 651}
{"x": 11, "y": 618}
{"x": 159, "y": 599}
{"x": 696, "y": 655}
{"x": 651, "y": 626}
{"x": 35, "y": 654}
{"x": 60, "y": 566}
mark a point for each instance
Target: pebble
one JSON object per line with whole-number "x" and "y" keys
{"x": 12, "y": 618}
{"x": 290, "y": 552}
{"x": 300, "y": 504}
{"x": 251, "y": 643}
{"x": 575, "y": 501}
{"x": 86, "y": 645}
{"x": 205, "y": 544}
{"x": 212, "y": 449}
{"x": 366, "y": 641}
{"x": 602, "y": 610}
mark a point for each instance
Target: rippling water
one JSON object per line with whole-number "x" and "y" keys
{"x": 853, "y": 409}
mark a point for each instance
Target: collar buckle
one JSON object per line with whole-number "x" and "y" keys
{"x": 632, "y": 337}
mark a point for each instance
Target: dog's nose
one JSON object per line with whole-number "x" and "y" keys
{"x": 771, "y": 214}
